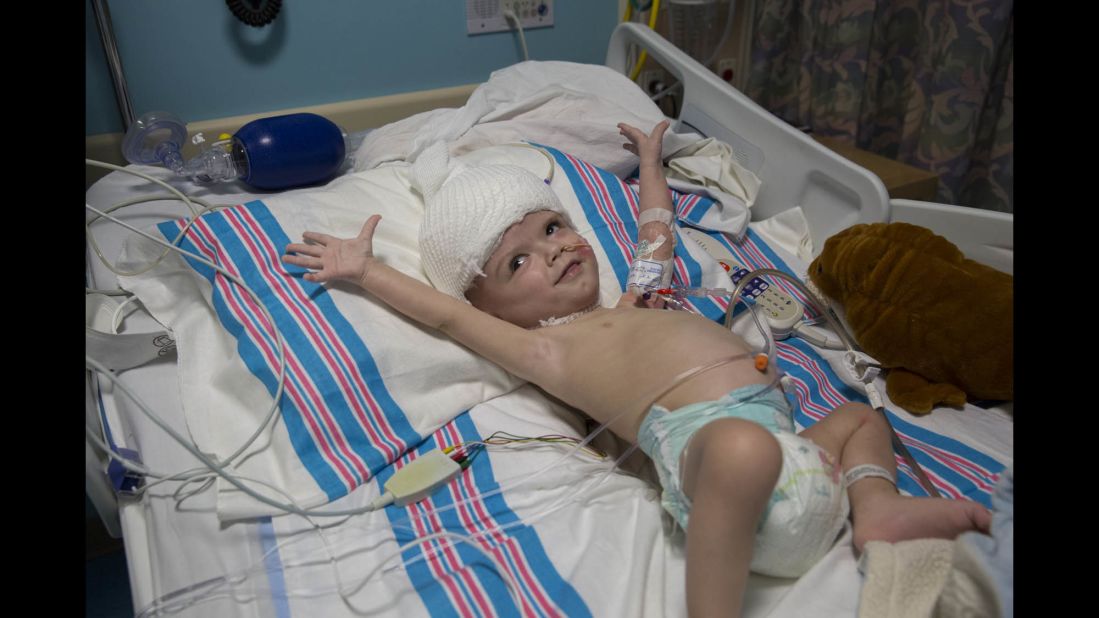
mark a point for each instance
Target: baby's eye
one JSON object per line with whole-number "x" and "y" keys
{"x": 516, "y": 262}
{"x": 551, "y": 228}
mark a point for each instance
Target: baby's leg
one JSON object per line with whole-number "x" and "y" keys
{"x": 857, "y": 434}
{"x": 731, "y": 469}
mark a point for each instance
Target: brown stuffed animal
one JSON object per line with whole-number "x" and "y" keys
{"x": 941, "y": 323}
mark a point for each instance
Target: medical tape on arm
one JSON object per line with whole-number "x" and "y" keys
{"x": 645, "y": 272}
{"x": 655, "y": 214}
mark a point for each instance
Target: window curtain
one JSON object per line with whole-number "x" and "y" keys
{"x": 924, "y": 82}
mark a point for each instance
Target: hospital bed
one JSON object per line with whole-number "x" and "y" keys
{"x": 542, "y": 526}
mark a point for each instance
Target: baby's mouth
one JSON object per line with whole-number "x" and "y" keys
{"x": 570, "y": 271}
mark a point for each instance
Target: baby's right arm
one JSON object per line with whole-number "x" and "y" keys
{"x": 516, "y": 349}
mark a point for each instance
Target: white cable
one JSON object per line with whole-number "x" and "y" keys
{"x": 280, "y": 344}
{"x": 116, "y": 317}
{"x": 511, "y": 16}
{"x": 176, "y": 192}
{"x": 114, "y": 292}
{"x": 818, "y": 336}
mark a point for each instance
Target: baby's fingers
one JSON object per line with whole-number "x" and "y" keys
{"x": 371, "y": 224}
{"x": 317, "y": 237}
{"x": 304, "y": 249}
{"x": 658, "y": 130}
{"x": 632, "y": 133}
{"x": 303, "y": 261}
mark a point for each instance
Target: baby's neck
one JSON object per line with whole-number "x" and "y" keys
{"x": 555, "y": 321}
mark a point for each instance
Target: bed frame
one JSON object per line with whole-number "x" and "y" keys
{"x": 833, "y": 192}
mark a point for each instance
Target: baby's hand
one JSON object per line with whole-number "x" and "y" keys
{"x": 335, "y": 258}
{"x": 642, "y": 301}
{"x": 647, "y": 147}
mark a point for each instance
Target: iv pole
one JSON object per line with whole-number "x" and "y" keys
{"x": 106, "y": 35}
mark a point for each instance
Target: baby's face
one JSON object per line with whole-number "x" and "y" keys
{"x": 541, "y": 269}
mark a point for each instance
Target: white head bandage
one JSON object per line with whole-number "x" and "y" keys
{"x": 467, "y": 209}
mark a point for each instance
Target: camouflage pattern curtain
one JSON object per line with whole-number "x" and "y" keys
{"x": 924, "y": 82}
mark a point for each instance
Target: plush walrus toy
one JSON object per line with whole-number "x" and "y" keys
{"x": 940, "y": 323}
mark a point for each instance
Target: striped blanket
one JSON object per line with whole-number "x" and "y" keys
{"x": 351, "y": 416}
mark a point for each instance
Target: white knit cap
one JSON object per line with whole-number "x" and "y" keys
{"x": 467, "y": 209}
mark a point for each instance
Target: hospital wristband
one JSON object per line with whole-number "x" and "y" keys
{"x": 867, "y": 471}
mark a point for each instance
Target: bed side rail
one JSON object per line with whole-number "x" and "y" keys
{"x": 986, "y": 236}
{"x": 833, "y": 192}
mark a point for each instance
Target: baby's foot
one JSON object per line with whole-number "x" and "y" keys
{"x": 891, "y": 518}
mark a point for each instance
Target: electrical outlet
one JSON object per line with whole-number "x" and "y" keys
{"x": 484, "y": 16}
{"x": 726, "y": 69}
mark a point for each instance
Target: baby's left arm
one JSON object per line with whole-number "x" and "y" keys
{"x": 655, "y": 234}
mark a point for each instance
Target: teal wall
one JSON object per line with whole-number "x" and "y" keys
{"x": 193, "y": 58}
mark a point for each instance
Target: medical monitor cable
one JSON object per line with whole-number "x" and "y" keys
{"x": 196, "y": 213}
{"x": 512, "y": 17}
{"x": 527, "y": 520}
{"x": 334, "y": 558}
{"x": 159, "y": 605}
{"x": 280, "y": 344}
{"x": 850, "y": 344}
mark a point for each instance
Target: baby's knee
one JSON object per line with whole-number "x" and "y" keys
{"x": 859, "y": 412}
{"x": 733, "y": 447}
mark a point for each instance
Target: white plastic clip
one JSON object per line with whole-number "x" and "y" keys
{"x": 865, "y": 369}
{"x": 198, "y": 138}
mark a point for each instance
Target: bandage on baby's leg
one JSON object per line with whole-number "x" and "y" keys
{"x": 867, "y": 471}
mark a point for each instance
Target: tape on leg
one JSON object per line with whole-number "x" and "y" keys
{"x": 867, "y": 471}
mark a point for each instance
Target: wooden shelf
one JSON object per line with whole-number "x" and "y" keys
{"x": 901, "y": 181}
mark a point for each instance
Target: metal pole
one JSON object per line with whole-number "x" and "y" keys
{"x": 106, "y": 35}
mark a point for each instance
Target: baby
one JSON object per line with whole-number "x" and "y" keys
{"x": 515, "y": 283}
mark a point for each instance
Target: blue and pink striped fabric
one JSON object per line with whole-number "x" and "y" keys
{"x": 456, "y": 580}
{"x": 343, "y": 423}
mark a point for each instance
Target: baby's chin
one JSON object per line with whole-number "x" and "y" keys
{"x": 568, "y": 309}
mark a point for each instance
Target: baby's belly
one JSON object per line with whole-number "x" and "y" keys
{"x": 633, "y": 359}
